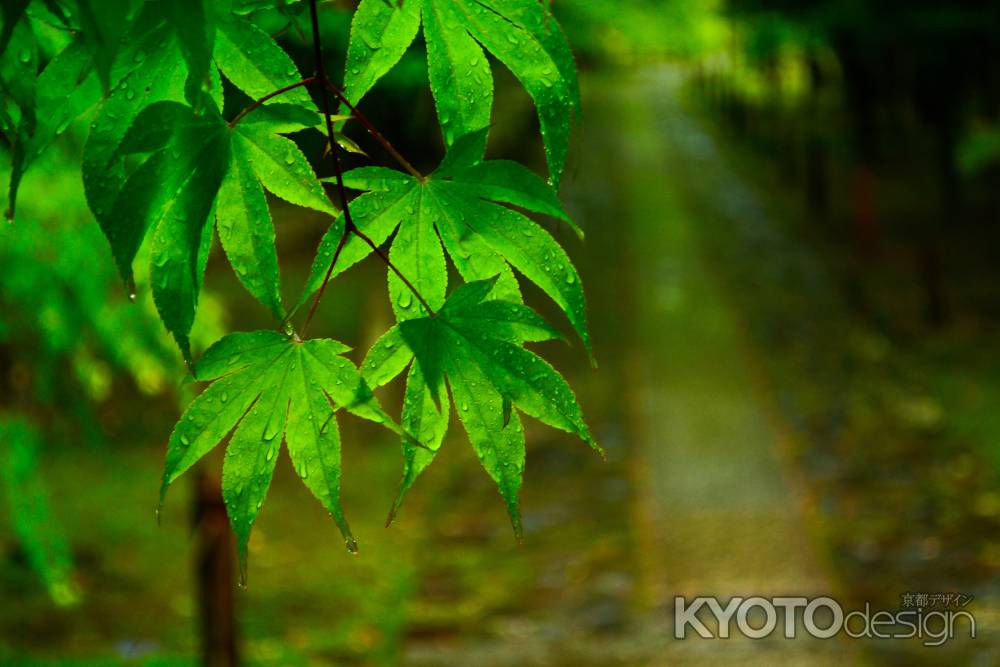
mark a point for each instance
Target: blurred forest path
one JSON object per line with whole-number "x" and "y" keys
{"x": 719, "y": 509}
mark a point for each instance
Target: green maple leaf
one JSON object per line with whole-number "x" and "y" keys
{"x": 194, "y": 165}
{"x": 281, "y": 167}
{"x": 102, "y": 25}
{"x": 462, "y": 207}
{"x": 271, "y": 389}
{"x": 255, "y": 63}
{"x": 171, "y": 195}
{"x": 194, "y": 28}
{"x": 163, "y": 166}
{"x": 149, "y": 68}
{"x": 522, "y": 34}
{"x": 477, "y": 346}
{"x": 173, "y": 167}
{"x": 12, "y": 12}
{"x": 18, "y": 70}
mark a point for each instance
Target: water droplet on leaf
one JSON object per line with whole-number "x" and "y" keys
{"x": 273, "y": 425}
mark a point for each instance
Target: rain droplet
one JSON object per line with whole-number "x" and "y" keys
{"x": 273, "y": 425}
{"x": 184, "y": 440}
{"x": 405, "y": 300}
{"x": 326, "y": 425}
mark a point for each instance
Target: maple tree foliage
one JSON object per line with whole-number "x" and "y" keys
{"x": 164, "y": 166}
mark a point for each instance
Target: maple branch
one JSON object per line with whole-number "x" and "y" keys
{"x": 279, "y": 91}
{"x": 372, "y": 130}
{"x": 355, "y": 112}
{"x": 349, "y": 226}
{"x": 326, "y": 281}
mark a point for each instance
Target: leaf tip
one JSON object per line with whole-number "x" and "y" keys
{"x": 243, "y": 567}
{"x": 515, "y": 520}
{"x": 242, "y": 551}
{"x": 514, "y": 511}
{"x": 600, "y": 450}
{"x": 130, "y": 288}
{"x": 163, "y": 496}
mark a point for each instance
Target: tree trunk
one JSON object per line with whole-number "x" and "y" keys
{"x": 866, "y": 232}
{"x": 817, "y": 173}
{"x": 214, "y": 575}
{"x": 936, "y": 311}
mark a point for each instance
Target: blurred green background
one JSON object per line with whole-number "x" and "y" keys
{"x": 792, "y": 269}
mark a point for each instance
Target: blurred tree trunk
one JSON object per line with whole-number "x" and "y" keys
{"x": 863, "y": 90}
{"x": 866, "y": 232}
{"x": 817, "y": 172}
{"x": 214, "y": 574}
{"x": 935, "y": 92}
{"x": 936, "y": 311}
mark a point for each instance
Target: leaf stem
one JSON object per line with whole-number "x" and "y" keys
{"x": 385, "y": 258}
{"x": 368, "y": 125}
{"x": 326, "y": 281}
{"x": 372, "y": 130}
{"x": 279, "y": 91}
{"x": 349, "y": 226}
